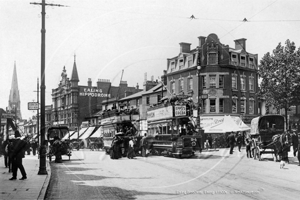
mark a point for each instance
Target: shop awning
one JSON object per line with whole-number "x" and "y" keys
{"x": 87, "y": 133}
{"x": 75, "y": 134}
{"x": 97, "y": 133}
{"x": 225, "y": 124}
{"x": 66, "y": 137}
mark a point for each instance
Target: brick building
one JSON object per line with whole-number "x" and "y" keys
{"x": 228, "y": 77}
{"x": 73, "y": 103}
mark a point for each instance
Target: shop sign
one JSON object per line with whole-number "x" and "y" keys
{"x": 33, "y": 105}
{"x": 8, "y": 115}
{"x": 180, "y": 111}
{"x": 92, "y": 92}
{"x": 160, "y": 113}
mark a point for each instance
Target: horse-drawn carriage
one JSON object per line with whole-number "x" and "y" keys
{"x": 269, "y": 136}
{"x": 57, "y": 147}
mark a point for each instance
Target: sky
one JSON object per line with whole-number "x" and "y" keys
{"x": 137, "y": 36}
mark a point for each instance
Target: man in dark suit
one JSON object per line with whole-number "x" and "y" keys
{"x": 17, "y": 155}
{"x": 231, "y": 140}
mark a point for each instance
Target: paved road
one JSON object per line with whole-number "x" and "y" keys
{"x": 211, "y": 175}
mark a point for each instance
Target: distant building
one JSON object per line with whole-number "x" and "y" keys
{"x": 14, "y": 103}
{"x": 73, "y": 103}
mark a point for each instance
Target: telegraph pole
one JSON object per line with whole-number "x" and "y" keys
{"x": 42, "y": 169}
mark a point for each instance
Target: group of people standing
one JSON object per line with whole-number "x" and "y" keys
{"x": 232, "y": 140}
{"x": 130, "y": 145}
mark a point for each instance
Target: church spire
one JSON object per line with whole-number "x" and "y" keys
{"x": 14, "y": 97}
{"x": 74, "y": 76}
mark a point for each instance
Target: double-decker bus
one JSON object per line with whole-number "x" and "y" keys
{"x": 123, "y": 124}
{"x": 173, "y": 129}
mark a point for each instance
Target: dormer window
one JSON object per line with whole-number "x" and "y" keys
{"x": 181, "y": 64}
{"x": 190, "y": 61}
{"x": 251, "y": 63}
{"x": 243, "y": 61}
{"x": 212, "y": 58}
{"x": 234, "y": 60}
{"x": 172, "y": 66}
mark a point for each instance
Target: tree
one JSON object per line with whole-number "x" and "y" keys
{"x": 280, "y": 74}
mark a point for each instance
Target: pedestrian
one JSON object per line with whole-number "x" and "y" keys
{"x": 239, "y": 141}
{"x": 130, "y": 149}
{"x": 143, "y": 145}
{"x": 295, "y": 142}
{"x": 298, "y": 149}
{"x": 34, "y": 146}
{"x": 254, "y": 148}
{"x": 209, "y": 138}
{"x": 10, "y": 149}
{"x": 248, "y": 147}
{"x": 17, "y": 156}
{"x": 231, "y": 140}
{"x": 5, "y": 152}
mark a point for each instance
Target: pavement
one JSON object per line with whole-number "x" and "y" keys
{"x": 34, "y": 187}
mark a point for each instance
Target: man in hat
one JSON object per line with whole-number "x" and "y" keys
{"x": 295, "y": 142}
{"x": 231, "y": 140}
{"x": 239, "y": 140}
{"x": 17, "y": 155}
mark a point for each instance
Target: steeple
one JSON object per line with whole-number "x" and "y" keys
{"x": 14, "y": 103}
{"x": 74, "y": 76}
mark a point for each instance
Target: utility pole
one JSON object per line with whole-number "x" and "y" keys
{"x": 42, "y": 169}
{"x": 38, "y": 119}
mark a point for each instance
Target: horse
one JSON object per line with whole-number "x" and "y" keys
{"x": 281, "y": 144}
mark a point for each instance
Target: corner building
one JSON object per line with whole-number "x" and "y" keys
{"x": 227, "y": 80}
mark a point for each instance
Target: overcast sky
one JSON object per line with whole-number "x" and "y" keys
{"x": 135, "y": 35}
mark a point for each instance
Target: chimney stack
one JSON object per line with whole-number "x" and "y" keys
{"x": 240, "y": 44}
{"x": 90, "y": 82}
{"x": 201, "y": 40}
{"x": 185, "y": 47}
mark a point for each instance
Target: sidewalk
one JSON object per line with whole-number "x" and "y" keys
{"x": 34, "y": 187}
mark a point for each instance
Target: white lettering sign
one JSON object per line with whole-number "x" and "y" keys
{"x": 180, "y": 111}
{"x": 160, "y": 113}
{"x": 93, "y": 92}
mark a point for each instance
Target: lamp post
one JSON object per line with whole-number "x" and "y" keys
{"x": 199, "y": 97}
